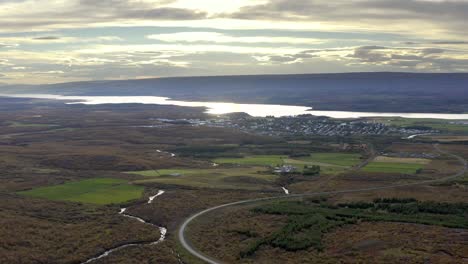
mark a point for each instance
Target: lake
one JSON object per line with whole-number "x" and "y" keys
{"x": 217, "y": 108}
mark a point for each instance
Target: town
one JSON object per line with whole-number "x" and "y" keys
{"x": 301, "y": 125}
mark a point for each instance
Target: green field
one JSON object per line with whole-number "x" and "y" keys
{"x": 387, "y": 167}
{"x": 258, "y": 160}
{"x": 339, "y": 159}
{"x": 252, "y": 178}
{"x": 331, "y": 163}
{"x": 96, "y": 191}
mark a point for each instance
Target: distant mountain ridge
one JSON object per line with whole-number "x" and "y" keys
{"x": 376, "y": 92}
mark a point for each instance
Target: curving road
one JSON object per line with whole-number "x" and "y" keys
{"x": 186, "y": 243}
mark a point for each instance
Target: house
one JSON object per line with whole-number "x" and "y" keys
{"x": 285, "y": 169}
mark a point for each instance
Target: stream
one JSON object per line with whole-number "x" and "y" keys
{"x": 418, "y": 135}
{"x": 171, "y": 154}
{"x": 150, "y": 200}
{"x": 122, "y": 212}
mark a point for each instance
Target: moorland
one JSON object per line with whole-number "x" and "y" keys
{"x": 66, "y": 171}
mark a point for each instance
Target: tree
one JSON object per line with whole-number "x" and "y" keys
{"x": 311, "y": 170}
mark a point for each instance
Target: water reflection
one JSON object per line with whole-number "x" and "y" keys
{"x": 260, "y": 110}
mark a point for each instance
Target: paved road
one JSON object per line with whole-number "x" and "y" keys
{"x": 186, "y": 243}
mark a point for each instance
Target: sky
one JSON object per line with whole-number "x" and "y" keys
{"x": 54, "y": 41}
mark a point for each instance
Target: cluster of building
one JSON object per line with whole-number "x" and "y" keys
{"x": 301, "y": 125}
{"x": 309, "y": 125}
{"x": 284, "y": 169}
{"x": 465, "y": 123}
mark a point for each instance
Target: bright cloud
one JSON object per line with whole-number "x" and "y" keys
{"x": 56, "y": 40}
{"x": 215, "y": 37}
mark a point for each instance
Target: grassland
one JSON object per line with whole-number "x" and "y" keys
{"x": 396, "y": 165}
{"x": 389, "y": 167}
{"x": 331, "y": 163}
{"x": 258, "y": 160}
{"x": 251, "y": 178}
{"x": 95, "y": 191}
{"x": 402, "y": 160}
{"x": 26, "y": 125}
{"x": 339, "y": 159}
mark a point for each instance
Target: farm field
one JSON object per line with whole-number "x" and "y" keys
{"x": 325, "y": 168}
{"x": 251, "y": 178}
{"x": 259, "y": 160}
{"x": 402, "y": 160}
{"x": 396, "y": 165}
{"x": 331, "y": 163}
{"x": 390, "y": 167}
{"x": 94, "y": 191}
{"x": 340, "y": 159}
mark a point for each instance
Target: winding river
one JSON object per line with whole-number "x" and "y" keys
{"x": 122, "y": 212}
{"x": 217, "y": 108}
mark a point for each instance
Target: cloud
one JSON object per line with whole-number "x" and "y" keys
{"x": 182, "y": 48}
{"x": 48, "y": 72}
{"x": 57, "y": 40}
{"x": 416, "y": 59}
{"x": 5, "y": 62}
{"x": 414, "y": 16}
{"x": 42, "y": 14}
{"x": 288, "y": 58}
{"x": 363, "y": 9}
{"x": 47, "y": 38}
{"x": 440, "y": 42}
{"x": 11, "y": 42}
{"x": 430, "y": 51}
{"x": 450, "y": 42}
{"x": 18, "y": 68}
{"x": 215, "y": 37}
{"x": 370, "y": 54}
{"x": 164, "y": 13}
{"x": 8, "y": 45}
{"x": 386, "y": 54}
{"x": 376, "y": 57}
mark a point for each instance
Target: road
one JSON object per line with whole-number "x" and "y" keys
{"x": 186, "y": 243}
{"x": 372, "y": 155}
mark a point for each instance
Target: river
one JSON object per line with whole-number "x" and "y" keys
{"x": 123, "y": 212}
